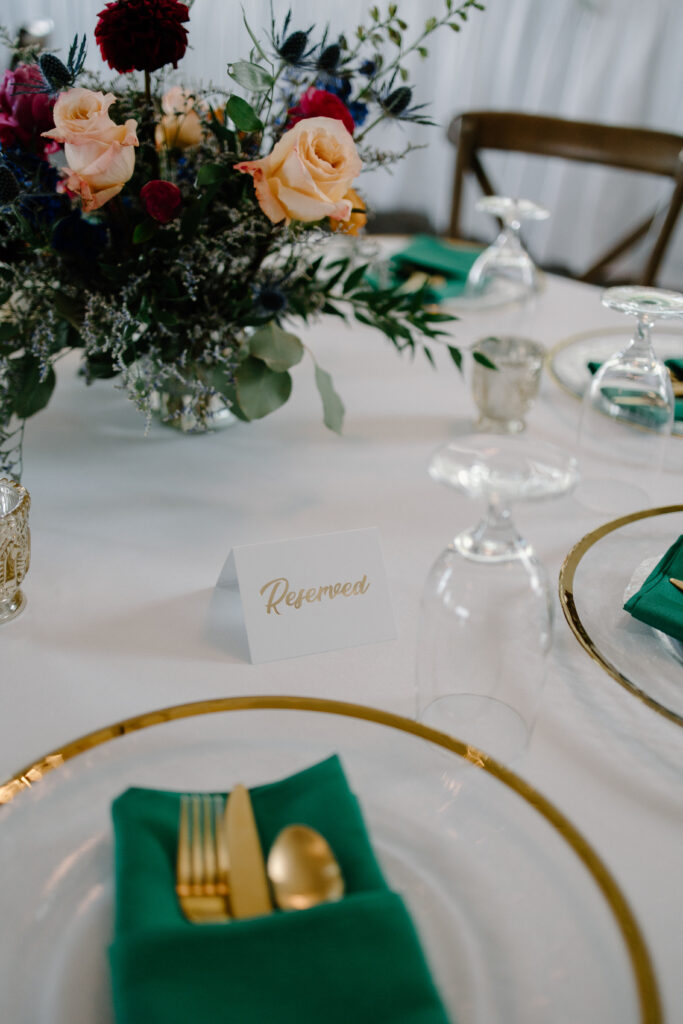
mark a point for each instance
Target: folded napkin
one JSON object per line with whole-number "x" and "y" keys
{"x": 428, "y": 255}
{"x": 353, "y": 962}
{"x": 658, "y": 602}
{"x": 676, "y": 367}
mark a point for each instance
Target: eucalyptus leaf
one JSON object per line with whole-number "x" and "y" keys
{"x": 31, "y": 394}
{"x": 259, "y": 389}
{"x": 243, "y": 115}
{"x": 333, "y": 407}
{"x": 250, "y": 76}
{"x": 278, "y": 349}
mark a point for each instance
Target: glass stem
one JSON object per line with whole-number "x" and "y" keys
{"x": 641, "y": 343}
{"x": 495, "y": 537}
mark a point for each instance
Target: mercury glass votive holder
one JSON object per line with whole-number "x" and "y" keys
{"x": 15, "y": 547}
{"x": 504, "y": 394}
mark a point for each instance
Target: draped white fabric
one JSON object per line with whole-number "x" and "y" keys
{"x": 615, "y": 61}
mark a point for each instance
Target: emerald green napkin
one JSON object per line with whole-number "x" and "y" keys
{"x": 658, "y": 602}
{"x": 353, "y": 962}
{"x": 432, "y": 256}
{"x": 675, "y": 365}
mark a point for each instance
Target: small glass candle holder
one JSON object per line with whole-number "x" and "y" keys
{"x": 505, "y": 394}
{"x": 15, "y": 547}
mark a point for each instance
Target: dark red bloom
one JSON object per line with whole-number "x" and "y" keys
{"x": 162, "y": 200}
{"x": 320, "y": 103}
{"x": 142, "y": 35}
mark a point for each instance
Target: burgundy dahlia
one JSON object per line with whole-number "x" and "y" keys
{"x": 142, "y": 35}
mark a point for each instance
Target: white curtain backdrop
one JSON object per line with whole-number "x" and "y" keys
{"x": 616, "y": 61}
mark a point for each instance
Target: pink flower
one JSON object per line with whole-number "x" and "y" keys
{"x": 320, "y": 103}
{"x": 24, "y": 112}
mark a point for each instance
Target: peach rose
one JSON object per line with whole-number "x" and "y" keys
{"x": 99, "y": 153}
{"x": 97, "y": 172}
{"x": 180, "y": 126}
{"x": 81, "y": 115}
{"x": 308, "y": 174}
{"x": 358, "y": 218}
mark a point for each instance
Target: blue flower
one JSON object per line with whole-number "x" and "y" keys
{"x": 337, "y": 84}
{"x": 358, "y": 111}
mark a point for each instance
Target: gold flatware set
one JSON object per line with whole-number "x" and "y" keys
{"x": 221, "y": 873}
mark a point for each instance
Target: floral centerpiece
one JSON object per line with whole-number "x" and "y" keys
{"x": 173, "y": 234}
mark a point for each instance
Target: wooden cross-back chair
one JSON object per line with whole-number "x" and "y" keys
{"x": 635, "y": 149}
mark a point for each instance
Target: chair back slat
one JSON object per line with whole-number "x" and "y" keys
{"x": 639, "y": 150}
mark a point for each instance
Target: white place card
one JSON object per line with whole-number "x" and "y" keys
{"x": 311, "y": 594}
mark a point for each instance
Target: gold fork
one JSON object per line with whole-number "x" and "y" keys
{"x": 202, "y": 863}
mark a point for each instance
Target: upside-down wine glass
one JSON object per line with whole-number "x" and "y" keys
{"x": 627, "y": 411}
{"x": 505, "y": 272}
{"x": 485, "y": 623}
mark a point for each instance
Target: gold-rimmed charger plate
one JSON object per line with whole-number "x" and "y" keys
{"x": 594, "y": 580}
{"x": 521, "y": 921}
{"x": 567, "y": 361}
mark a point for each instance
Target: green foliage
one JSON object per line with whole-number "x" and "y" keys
{"x": 243, "y": 115}
{"x": 333, "y": 407}
{"x": 201, "y": 303}
{"x": 278, "y": 349}
{"x": 250, "y": 76}
{"x": 261, "y": 390}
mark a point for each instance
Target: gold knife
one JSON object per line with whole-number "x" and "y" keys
{"x": 677, "y": 583}
{"x": 249, "y": 891}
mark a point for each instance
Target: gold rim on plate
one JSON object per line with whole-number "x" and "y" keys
{"x": 648, "y": 993}
{"x": 573, "y": 339}
{"x": 566, "y": 588}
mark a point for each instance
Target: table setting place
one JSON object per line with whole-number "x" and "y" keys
{"x": 341, "y": 680}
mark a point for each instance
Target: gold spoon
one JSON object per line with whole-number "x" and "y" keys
{"x": 302, "y": 869}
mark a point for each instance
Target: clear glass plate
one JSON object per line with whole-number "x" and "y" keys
{"x": 520, "y": 921}
{"x": 595, "y": 578}
{"x": 568, "y": 361}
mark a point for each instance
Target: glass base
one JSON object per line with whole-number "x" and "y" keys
{"x": 486, "y": 425}
{"x": 12, "y": 607}
{"x": 193, "y": 415}
{"x": 482, "y": 722}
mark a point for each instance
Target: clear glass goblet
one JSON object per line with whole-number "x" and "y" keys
{"x": 505, "y": 272}
{"x": 627, "y": 412}
{"x": 485, "y": 625}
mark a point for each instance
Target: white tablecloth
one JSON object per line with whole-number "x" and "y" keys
{"x": 130, "y": 534}
{"x": 616, "y": 61}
